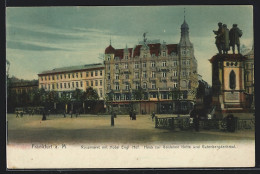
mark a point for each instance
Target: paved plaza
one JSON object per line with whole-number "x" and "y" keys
{"x": 97, "y": 129}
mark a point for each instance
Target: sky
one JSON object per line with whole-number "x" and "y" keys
{"x": 43, "y": 38}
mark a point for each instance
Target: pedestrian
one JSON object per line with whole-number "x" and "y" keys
{"x": 134, "y": 116}
{"x": 112, "y": 119}
{"x": 153, "y": 115}
{"x": 64, "y": 114}
{"x": 114, "y": 115}
{"x": 196, "y": 122}
{"x": 71, "y": 113}
{"x": 130, "y": 115}
{"x": 43, "y": 116}
{"x": 17, "y": 114}
{"x": 230, "y": 123}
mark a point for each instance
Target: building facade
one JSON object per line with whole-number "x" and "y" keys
{"x": 66, "y": 80}
{"x": 156, "y": 69}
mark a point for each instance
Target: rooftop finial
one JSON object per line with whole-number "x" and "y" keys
{"x": 184, "y": 14}
{"x": 110, "y": 40}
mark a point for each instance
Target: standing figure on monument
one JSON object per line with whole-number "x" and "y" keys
{"x": 234, "y": 34}
{"x": 219, "y": 37}
{"x": 226, "y": 47}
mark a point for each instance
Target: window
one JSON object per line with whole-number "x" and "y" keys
{"x": 87, "y": 83}
{"x": 117, "y": 76}
{"x": 175, "y": 73}
{"x": 153, "y": 74}
{"x": 77, "y": 84}
{"x": 57, "y": 85}
{"x": 108, "y": 67}
{"x": 144, "y": 85}
{"x": 144, "y": 64}
{"x": 153, "y": 64}
{"x": 153, "y": 85}
{"x": 108, "y": 87}
{"x": 137, "y": 85}
{"x": 77, "y": 75}
{"x": 126, "y": 65}
{"x": 164, "y": 74}
{"x": 49, "y": 77}
{"x": 86, "y": 74}
{"x": 60, "y": 85}
{"x": 153, "y": 55}
{"x": 137, "y": 75}
{"x": 108, "y": 57}
{"x": 69, "y": 76}
{"x": 175, "y": 63}
{"x": 183, "y": 73}
{"x": 117, "y": 86}
{"x": 81, "y": 75}
{"x": 52, "y": 86}
{"x": 100, "y": 82}
{"x": 108, "y": 76}
{"x": 72, "y": 84}
{"x": 72, "y": 75}
{"x": 126, "y": 57}
{"x": 116, "y": 66}
{"x": 164, "y": 53}
{"x": 61, "y": 76}
{"x": 64, "y": 76}
{"x": 96, "y": 73}
{"x": 64, "y": 85}
{"x": 49, "y": 86}
{"x": 175, "y": 84}
{"x": 164, "y": 63}
{"x": 184, "y": 62}
{"x": 126, "y": 76}
{"x": 100, "y": 73}
{"x": 57, "y": 77}
{"x": 81, "y": 83}
{"x": 45, "y": 78}
{"x": 100, "y": 92}
{"x": 144, "y": 75}
{"x": 92, "y": 73}
{"x": 136, "y": 65}
{"x": 96, "y": 83}
{"x": 91, "y": 83}
{"x": 232, "y": 80}
{"x": 188, "y": 62}
{"x": 127, "y": 86}
{"x": 145, "y": 55}
{"x": 68, "y": 85}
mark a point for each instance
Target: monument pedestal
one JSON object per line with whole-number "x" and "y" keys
{"x": 228, "y": 82}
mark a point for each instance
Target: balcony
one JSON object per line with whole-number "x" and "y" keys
{"x": 164, "y": 78}
{"x": 152, "y": 79}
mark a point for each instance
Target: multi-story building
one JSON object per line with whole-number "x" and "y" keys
{"x": 23, "y": 86}
{"x": 249, "y": 72}
{"x": 249, "y": 78}
{"x": 159, "y": 69}
{"x": 67, "y": 79}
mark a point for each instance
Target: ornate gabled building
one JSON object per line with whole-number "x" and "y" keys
{"x": 151, "y": 74}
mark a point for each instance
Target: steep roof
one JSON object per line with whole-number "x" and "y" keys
{"x": 110, "y": 50}
{"x": 225, "y": 57}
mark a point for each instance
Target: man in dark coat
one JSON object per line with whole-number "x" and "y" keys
{"x": 196, "y": 122}
{"x": 112, "y": 119}
{"x": 219, "y": 37}
{"x": 226, "y": 46}
{"x": 234, "y": 34}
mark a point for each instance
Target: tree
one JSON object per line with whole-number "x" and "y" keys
{"x": 90, "y": 94}
{"x": 138, "y": 94}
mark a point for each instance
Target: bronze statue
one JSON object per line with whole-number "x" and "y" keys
{"x": 225, "y": 47}
{"x": 219, "y": 37}
{"x": 234, "y": 34}
{"x": 144, "y": 36}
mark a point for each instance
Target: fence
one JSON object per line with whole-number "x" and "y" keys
{"x": 185, "y": 123}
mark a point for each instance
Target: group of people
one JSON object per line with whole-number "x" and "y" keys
{"x": 226, "y": 38}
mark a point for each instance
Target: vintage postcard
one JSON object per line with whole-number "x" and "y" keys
{"x": 130, "y": 87}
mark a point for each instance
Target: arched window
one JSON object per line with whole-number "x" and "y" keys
{"x": 232, "y": 80}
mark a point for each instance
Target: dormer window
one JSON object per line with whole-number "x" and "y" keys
{"x": 164, "y": 53}
{"x": 109, "y": 57}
